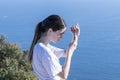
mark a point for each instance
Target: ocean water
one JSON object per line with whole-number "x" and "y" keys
{"x": 97, "y": 56}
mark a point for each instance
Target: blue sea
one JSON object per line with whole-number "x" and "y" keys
{"x": 97, "y": 56}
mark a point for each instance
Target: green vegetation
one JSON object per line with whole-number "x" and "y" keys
{"x": 13, "y": 62}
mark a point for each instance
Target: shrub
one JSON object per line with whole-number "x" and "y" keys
{"x": 13, "y": 63}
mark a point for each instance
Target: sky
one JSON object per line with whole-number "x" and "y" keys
{"x": 85, "y": 12}
{"x": 88, "y": 13}
{"x": 71, "y": 9}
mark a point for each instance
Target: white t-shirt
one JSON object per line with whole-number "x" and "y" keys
{"x": 45, "y": 61}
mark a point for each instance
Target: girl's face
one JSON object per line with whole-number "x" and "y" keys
{"x": 57, "y": 35}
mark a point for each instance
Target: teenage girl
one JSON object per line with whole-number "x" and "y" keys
{"x": 44, "y": 57}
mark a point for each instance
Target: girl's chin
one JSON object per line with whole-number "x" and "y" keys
{"x": 55, "y": 41}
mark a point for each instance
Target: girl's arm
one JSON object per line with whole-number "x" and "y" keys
{"x": 69, "y": 52}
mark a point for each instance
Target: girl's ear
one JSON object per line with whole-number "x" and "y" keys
{"x": 50, "y": 30}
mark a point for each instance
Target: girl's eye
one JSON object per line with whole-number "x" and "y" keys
{"x": 61, "y": 33}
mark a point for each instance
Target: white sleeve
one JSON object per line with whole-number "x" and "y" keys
{"x": 50, "y": 64}
{"x": 58, "y": 52}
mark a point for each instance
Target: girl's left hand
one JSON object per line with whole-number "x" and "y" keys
{"x": 75, "y": 30}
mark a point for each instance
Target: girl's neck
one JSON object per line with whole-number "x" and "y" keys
{"x": 44, "y": 40}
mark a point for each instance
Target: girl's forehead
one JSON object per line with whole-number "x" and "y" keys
{"x": 61, "y": 31}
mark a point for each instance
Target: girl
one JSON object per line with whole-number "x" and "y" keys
{"x": 44, "y": 57}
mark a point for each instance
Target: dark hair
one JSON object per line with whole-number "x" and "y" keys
{"x": 54, "y": 22}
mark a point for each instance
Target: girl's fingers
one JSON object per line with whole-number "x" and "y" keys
{"x": 78, "y": 29}
{"x": 72, "y": 28}
{"x": 75, "y": 29}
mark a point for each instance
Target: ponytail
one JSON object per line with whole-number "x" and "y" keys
{"x": 37, "y": 36}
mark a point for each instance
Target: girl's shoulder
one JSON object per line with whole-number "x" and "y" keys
{"x": 40, "y": 46}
